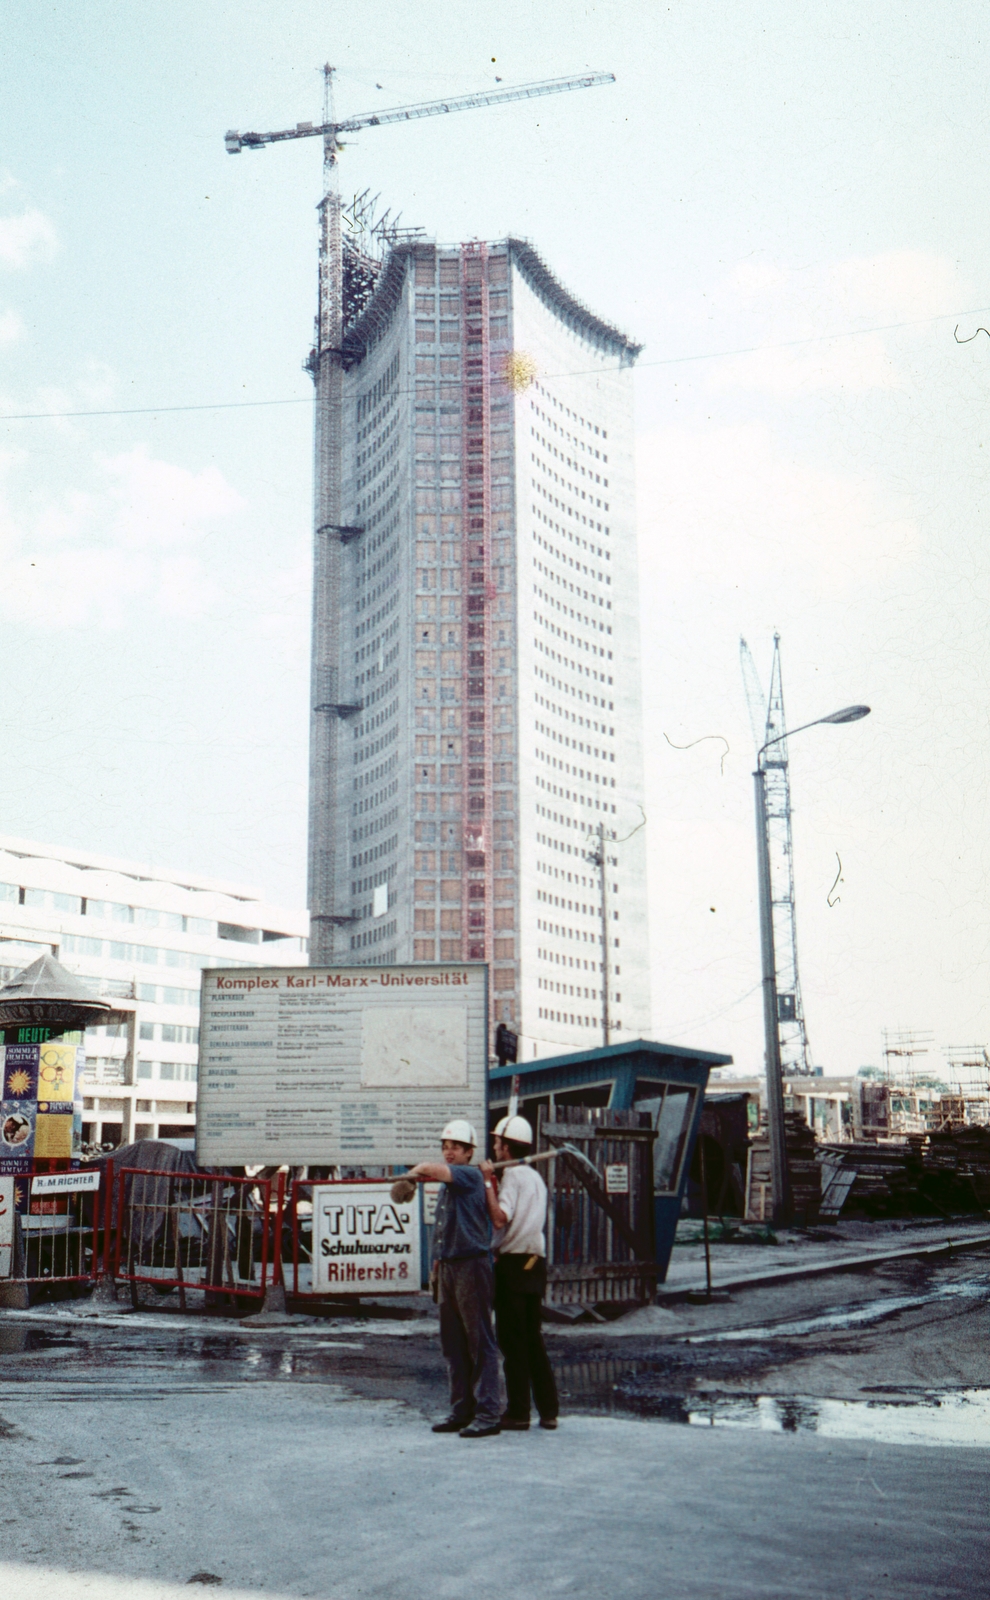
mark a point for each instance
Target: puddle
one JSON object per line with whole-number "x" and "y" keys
{"x": 960, "y": 1418}
{"x": 909, "y": 1416}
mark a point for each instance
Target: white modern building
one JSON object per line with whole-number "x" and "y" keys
{"x": 140, "y": 938}
{"x": 488, "y": 697}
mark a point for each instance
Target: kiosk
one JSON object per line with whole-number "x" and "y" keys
{"x": 640, "y": 1089}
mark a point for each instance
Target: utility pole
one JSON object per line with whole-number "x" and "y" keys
{"x": 779, "y": 1170}
{"x": 327, "y": 708}
{"x": 598, "y": 858}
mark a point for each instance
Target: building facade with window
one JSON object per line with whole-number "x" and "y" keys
{"x": 488, "y": 639}
{"x": 139, "y": 938}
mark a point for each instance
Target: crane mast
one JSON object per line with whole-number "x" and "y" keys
{"x": 328, "y": 705}
{"x": 769, "y": 723}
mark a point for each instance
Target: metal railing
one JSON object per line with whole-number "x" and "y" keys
{"x": 54, "y": 1226}
{"x": 197, "y": 1231}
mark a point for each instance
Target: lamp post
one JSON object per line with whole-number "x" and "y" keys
{"x": 779, "y": 1175}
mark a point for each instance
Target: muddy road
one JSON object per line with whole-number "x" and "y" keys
{"x": 903, "y": 1347}
{"x": 827, "y": 1440}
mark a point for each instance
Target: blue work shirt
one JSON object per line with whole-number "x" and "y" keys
{"x": 463, "y": 1228}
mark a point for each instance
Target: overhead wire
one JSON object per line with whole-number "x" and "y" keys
{"x": 580, "y": 372}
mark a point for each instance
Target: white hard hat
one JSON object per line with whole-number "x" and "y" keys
{"x": 461, "y": 1131}
{"x": 515, "y": 1128}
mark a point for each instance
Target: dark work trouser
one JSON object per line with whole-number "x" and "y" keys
{"x": 467, "y": 1341}
{"x": 518, "y": 1311}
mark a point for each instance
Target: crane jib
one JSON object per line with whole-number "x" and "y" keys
{"x": 428, "y": 108}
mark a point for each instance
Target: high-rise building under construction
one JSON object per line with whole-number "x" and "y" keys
{"x": 485, "y": 641}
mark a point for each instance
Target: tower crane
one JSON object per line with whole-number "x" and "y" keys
{"x": 769, "y": 726}
{"x": 327, "y": 367}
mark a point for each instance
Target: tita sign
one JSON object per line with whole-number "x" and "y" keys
{"x": 363, "y": 1241}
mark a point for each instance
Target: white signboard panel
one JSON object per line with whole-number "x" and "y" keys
{"x": 65, "y": 1183}
{"x": 363, "y": 1242}
{"x": 6, "y": 1225}
{"x": 356, "y": 1066}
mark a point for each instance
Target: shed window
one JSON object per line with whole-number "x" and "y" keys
{"x": 671, "y": 1112}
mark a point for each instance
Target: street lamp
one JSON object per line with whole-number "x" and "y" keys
{"x": 779, "y": 1175}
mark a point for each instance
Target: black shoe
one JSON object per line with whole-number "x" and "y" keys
{"x": 515, "y": 1424}
{"x": 449, "y": 1425}
{"x": 480, "y": 1430}
{"x": 548, "y": 1422}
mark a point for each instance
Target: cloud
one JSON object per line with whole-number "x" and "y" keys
{"x": 26, "y": 238}
{"x": 135, "y": 536}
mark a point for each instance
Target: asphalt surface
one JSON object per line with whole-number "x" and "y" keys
{"x": 828, "y": 1438}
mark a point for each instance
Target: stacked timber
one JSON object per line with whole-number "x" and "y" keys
{"x": 887, "y": 1175}
{"x": 805, "y": 1172}
{"x": 946, "y": 1172}
{"x": 957, "y": 1163}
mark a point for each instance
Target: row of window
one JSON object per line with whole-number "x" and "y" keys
{"x": 450, "y": 303}
{"x": 144, "y": 954}
{"x": 575, "y": 716}
{"x": 168, "y": 1032}
{"x": 574, "y": 990}
{"x": 579, "y": 443}
{"x": 564, "y": 411}
{"x": 162, "y": 996}
{"x": 168, "y": 1071}
{"x": 106, "y": 910}
{"x": 575, "y": 1020}
{"x": 451, "y": 332}
{"x": 450, "y": 270}
{"x": 580, "y": 516}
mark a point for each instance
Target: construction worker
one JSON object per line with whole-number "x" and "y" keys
{"x": 462, "y": 1271}
{"x": 517, "y": 1206}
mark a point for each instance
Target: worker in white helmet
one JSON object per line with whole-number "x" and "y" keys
{"x": 462, "y": 1270}
{"x": 517, "y": 1206}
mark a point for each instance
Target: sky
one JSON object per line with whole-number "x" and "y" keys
{"x": 784, "y": 204}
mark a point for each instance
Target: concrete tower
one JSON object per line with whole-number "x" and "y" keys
{"x": 490, "y": 710}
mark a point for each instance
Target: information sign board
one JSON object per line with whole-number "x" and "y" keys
{"x": 351, "y": 1066}
{"x": 363, "y": 1241}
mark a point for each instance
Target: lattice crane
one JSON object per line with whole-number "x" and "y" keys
{"x": 768, "y": 722}
{"x": 327, "y": 367}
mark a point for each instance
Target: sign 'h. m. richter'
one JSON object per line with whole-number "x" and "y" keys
{"x": 351, "y": 1066}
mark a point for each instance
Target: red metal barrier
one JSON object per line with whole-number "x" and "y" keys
{"x": 52, "y": 1230}
{"x": 202, "y": 1231}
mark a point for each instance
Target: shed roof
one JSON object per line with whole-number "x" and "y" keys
{"x": 611, "y": 1058}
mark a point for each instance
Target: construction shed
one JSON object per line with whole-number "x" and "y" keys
{"x": 650, "y": 1093}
